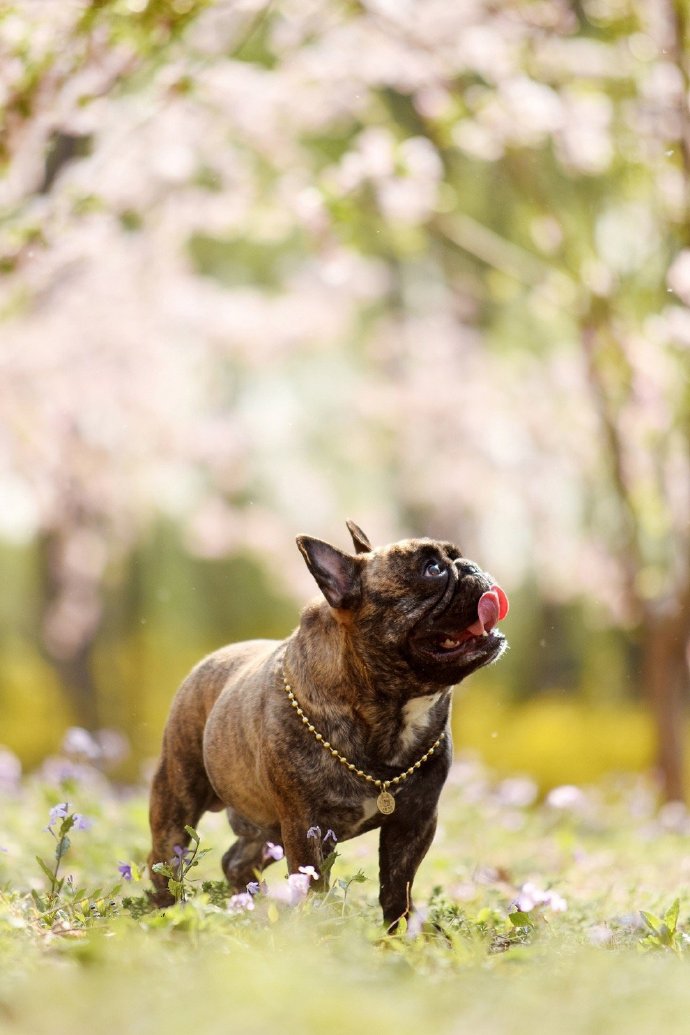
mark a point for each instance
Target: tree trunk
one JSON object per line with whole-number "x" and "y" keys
{"x": 71, "y": 654}
{"x": 665, "y": 673}
{"x": 76, "y": 676}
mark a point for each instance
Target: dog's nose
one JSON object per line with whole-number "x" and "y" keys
{"x": 466, "y": 567}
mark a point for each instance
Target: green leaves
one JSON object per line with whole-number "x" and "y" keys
{"x": 62, "y": 847}
{"x": 520, "y": 919}
{"x": 46, "y": 869}
{"x": 664, "y": 934}
{"x": 65, "y": 903}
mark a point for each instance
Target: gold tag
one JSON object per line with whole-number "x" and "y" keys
{"x": 385, "y": 803}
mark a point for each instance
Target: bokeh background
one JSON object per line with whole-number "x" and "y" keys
{"x": 267, "y": 266}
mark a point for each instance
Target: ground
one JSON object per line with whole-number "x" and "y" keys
{"x": 532, "y": 916}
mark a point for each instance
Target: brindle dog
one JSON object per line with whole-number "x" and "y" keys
{"x": 371, "y": 668}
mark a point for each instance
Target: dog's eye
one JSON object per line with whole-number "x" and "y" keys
{"x": 434, "y": 569}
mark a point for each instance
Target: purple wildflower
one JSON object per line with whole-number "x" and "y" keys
{"x": 315, "y": 832}
{"x": 10, "y": 770}
{"x": 113, "y": 745}
{"x": 272, "y": 851}
{"x": 125, "y": 870}
{"x": 79, "y": 743}
{"x": 82, "y": 822}
{"x": 57, "y": 812}
{"x": 253, "y": 888}
{"x": 57, "y": 770}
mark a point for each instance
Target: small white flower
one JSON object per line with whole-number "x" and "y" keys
{"x": 600, "y": 934}
{"x": 531, "y": 896}
{"x": 678, "y": 276}
{"x": 241, "y": 903}
{"x": 566, "y": 797}
{"x": 272, "y": 851}
{"x": 517, "y": 792}
{"x": 295, "y": 889}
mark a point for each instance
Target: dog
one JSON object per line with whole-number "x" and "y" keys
{"x": 342, "y": 726}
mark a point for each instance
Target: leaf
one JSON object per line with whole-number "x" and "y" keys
{"x": 671, "y": 916}
{"x": 272, "y": 912}
{"x": 652, "y": 922}
{"x": 67, "y": 823}
{"x": 63, "y": 846}
{"x": 520, "y": 919}
{"x": 176, "y": 888}
{"x": 193, "y": 835}
{"x": 327, "y": 863}
{"x": 46, "y": 869}
{"x": 39, "y": 901}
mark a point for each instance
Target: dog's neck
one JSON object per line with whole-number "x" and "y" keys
{"x": 376, "y": 699}
{"x": 347, "y": 672}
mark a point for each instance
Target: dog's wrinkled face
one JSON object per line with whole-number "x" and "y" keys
{"x": 419, "y": 599}
{"x": 441, "y": 610}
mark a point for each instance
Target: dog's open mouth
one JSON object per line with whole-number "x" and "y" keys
{"x": 492, "y": 608}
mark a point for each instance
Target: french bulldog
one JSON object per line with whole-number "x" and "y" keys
{"x": 342, "y": 726}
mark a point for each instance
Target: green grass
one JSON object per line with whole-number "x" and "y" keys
{"x": 96, "y": 958}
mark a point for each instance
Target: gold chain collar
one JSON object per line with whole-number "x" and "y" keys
{"x": 385, "y": 801}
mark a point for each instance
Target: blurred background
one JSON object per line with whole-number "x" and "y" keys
{"x": 268, "y": 266}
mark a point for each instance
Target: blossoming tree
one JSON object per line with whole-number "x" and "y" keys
{"x": 429, "y": 259}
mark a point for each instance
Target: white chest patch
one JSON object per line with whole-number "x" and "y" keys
{"x": 416, "y": 718}
{"x": 369, "y": 809}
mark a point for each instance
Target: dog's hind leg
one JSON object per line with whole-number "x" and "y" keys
{"x": 249, "y": 855}
{"x": 180, "y": 794}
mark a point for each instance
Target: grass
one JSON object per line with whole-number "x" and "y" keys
{"x": 92, "y": 954}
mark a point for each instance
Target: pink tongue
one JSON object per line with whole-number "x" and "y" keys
{"x": 491, "y": 609}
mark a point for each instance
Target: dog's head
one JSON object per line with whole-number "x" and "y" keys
{"x": 419, "y": 600}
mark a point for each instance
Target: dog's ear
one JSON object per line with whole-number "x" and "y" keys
{"x": 361, "y": 541}
{"x": 336, "y": 573}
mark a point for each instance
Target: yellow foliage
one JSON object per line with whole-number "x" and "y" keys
{"x": 34, "y": 712}
{"x": 556, "y": 739}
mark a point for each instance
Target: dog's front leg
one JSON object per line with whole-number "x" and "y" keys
{"x": 301, "y": 850}
{"x": 402, "y": 846}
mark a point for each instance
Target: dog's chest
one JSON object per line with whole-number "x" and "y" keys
{"x": 355, "y": 809}
{"x": 416, "y": 717}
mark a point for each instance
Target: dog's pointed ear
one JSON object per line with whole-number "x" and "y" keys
{"x": 336, "y": 573}
{"x": 361, "y": 541}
